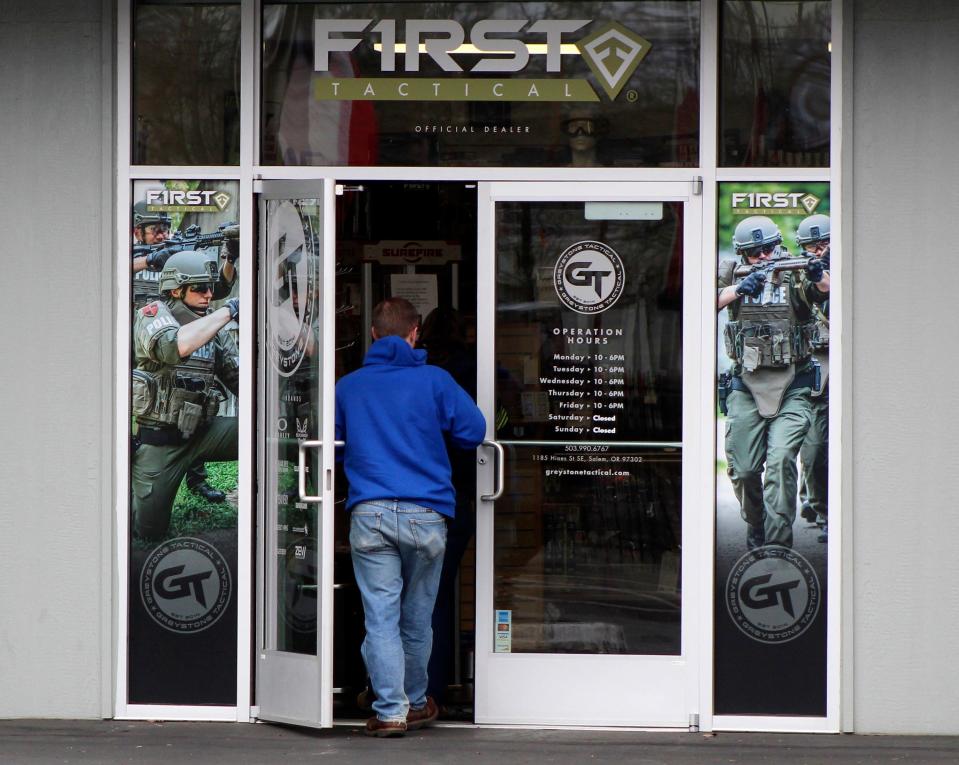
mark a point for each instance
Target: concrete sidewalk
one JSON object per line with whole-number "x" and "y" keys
{"x": 145, "y": 743}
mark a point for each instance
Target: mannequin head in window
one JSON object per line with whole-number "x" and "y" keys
{"x": 583, "y": 128}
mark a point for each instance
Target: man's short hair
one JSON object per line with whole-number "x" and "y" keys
{"x": 394, "y": 316}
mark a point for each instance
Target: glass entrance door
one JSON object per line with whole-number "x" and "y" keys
{"x": 589, "y": 347}
{"x": 295, "y": 454}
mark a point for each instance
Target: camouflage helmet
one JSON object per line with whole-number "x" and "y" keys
{"x": 189, "y": 267}
{"x": 142, "y": 216}
{"x": 755, "y": 231}
{"x": 813, "y": 229}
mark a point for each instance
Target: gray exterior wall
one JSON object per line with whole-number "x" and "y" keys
{"x": 904, "y": 401}
{"x": 56, "y": 506}
{"x": 56, "y": 396}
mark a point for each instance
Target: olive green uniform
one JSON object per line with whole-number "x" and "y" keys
{"x": 769, "y": 405}
{"x": 815, "y": 449}
{"x": 146, "y": 289}
{"x": 175, "y": 403}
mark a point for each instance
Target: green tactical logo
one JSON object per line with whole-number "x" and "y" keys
{"x": 613, "y": 52}
{"x": 810, "y": 202}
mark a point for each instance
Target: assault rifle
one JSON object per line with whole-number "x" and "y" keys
{"x": 190, "y": 239}
{"x": 773, "y": 270}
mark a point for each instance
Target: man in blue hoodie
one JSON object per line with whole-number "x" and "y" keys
{"x": 394, "y": 415}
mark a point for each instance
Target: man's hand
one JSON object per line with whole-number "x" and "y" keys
{"x": 234, "y": 305}
{"x": 815, "y": 270}
{"x": 752, "y": 285}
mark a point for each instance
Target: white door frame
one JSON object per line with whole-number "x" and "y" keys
{"x": 290, "y": 687}
{"x": 521, "y": 689}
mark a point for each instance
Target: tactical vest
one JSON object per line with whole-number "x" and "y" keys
{"x": 770, "y": 336}
{"x": 146, "y": 288}
{"x": 819, "y": 336}
{"x": 185, "y": 395}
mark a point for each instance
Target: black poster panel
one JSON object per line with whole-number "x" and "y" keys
{"x": 182, "y": 610}
{"x": 772, "y": 532}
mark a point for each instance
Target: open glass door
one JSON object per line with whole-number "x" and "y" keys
{"x": 588, "y": 541}
{"x": 295, "y": 454}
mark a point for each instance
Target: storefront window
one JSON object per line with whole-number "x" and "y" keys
{"x": 774, "y": 84}
{"x": 186, "y": 81}
{"x": 500, "y": 84}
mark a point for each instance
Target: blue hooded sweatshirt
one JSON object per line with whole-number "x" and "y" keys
{"x": 394, "y": 414}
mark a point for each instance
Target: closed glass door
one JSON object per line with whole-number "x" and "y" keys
{"x": 588, "y": 358}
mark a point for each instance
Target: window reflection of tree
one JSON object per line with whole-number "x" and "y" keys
{"x": 775, "y": 81}
{"x": 666, "y": 89}
{"x": 186, "y": 72}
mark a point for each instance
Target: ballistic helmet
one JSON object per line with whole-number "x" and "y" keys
{"x": 813, "y": 229}
{"x": 142, "y": 216}
{"x": 755, "y": 231}
{"x": 189, "y": 267}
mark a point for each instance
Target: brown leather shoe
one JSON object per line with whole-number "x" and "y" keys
{"x": 384, "y": 728}
{"x": 420, "y": 718}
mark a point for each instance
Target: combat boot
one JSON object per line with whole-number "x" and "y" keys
{"x": 203, "y": 489}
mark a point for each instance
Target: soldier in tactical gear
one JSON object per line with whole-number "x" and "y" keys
{"x": 768, "y": 404}
{"x": 812, "y": 235}
{"x": 181, "y": 354}
{"x": 153, "y": 228}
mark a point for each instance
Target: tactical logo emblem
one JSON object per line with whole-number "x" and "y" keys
{"x": 613, "y": 52}
{"x": 293, "y": 253}
{"x": 589, "y": 277}
{"x": 222, "y": 200}
{"x": 150, "y": 310}
{"x": 773, "y": 594}
{"x": 185, "y": 585}
{"x": 810, "y": 202}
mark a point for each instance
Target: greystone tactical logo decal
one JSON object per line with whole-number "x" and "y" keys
{"x": 613, "y": 52}
{"x": 293, "y": 255}
{"x": 773, "y": 594}
{"x": 185, "y": 585}
{"x": 589, "y": 277}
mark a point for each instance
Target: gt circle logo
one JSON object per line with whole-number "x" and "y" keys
{"x": 773, "y": 594}
{"x": 293, "y": 255}
{"x": 185, "y": 585}
{"x": 589, "y": 277}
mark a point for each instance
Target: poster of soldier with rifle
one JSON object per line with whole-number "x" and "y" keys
{"x": 185, "y": 364}
{"x": 772, "y": 299}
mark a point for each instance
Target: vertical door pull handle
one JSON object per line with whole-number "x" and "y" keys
{"x": 500, "y": 481}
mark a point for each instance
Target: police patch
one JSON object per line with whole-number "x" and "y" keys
{"x": 149, "y": 310}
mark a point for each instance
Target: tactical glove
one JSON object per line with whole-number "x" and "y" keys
{"x": 157, "y": 259}
{"x": 234, "y": 305}
{"x": 825, "y": 259}
{"x": 752, "y": 285}
{"x": 815, "y": 270}
{"x": 232, "y": 247}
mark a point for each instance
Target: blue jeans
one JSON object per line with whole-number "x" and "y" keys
{"x": 397, "y": 558}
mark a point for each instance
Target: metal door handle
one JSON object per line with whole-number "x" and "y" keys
{"x": 303, "y": 446}
{"x": 500, "y": 483}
